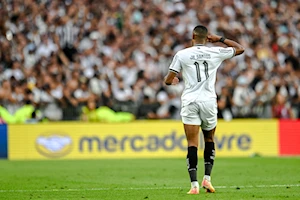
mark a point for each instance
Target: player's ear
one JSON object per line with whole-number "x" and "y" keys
{"x": 193, "y": 36}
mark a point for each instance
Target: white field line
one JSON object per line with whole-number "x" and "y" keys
{"x": 144, "y": 188}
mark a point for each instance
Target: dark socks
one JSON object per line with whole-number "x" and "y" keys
{"x": 209, "y": 156}
{"x": 192, "y": 162}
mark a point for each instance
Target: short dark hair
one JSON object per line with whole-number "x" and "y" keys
{"x": 200, "y": 32}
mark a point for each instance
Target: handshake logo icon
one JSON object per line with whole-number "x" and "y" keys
{"x": 54, "y": 145}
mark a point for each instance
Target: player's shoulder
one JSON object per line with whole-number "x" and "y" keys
{"x": 180, "y": 54}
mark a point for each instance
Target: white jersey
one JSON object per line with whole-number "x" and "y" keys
{"x": 199, "y": 65}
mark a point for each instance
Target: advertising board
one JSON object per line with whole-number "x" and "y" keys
{"x": 142, "y": 139}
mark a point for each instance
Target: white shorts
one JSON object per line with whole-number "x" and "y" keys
{"x": 201, "y": 113}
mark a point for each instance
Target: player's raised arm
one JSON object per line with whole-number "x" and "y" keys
{"x": 239, "y": 49}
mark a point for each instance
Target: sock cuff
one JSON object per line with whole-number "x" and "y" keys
{"x": 192, "y": 148}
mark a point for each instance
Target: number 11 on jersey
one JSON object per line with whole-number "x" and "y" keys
{"x": 198, "y": 70}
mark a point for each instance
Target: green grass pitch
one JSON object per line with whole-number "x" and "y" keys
{"x": 234, "y": 178}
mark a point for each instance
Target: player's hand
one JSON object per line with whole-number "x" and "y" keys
{"x": 213, "y": 38}
{"x": 175, "y": 81}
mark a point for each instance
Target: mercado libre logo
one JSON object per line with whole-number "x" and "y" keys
{"x": 54, "y": 145}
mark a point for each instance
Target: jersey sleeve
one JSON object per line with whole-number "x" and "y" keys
{"x": 226, "y": 53}
{"x": 175, "y": 65}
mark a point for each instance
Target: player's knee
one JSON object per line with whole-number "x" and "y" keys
{"x": 192, "y": 143}
{"x": 209, "y": 137}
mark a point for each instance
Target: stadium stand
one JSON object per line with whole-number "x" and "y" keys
{"x": 58, "y": 55}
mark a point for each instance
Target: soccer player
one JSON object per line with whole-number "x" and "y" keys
{"x": 199, "y": 65}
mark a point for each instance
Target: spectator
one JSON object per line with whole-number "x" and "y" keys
{"x": 49, "y": 104}
{"x": 243, "y": 97}
{"x": 46, "y": 48}
{"x": 70, "y": 104}
{"x": 265, "y": 92}
{"x": 17, "y": 98}
{"x": 123, "y": 95}
{"x": 280, "y": 108}
{"x": 82, "y": 94}
{"x": 15, "y": 71}
{"x": 225, "y": 104}
{"x": 89, "y": 112}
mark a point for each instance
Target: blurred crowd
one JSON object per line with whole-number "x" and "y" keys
{"x": 67, "y": 58}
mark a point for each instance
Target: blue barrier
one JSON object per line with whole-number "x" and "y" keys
{"x": 3, "y": 141}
